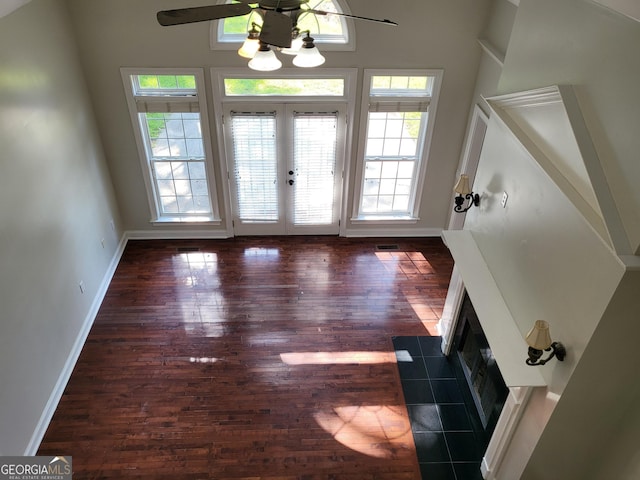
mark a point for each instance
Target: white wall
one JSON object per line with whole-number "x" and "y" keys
{"x": 541, "y": 275}
{"x": 432, "y": 34}
{"x": 593, "y": 432}
{"x": 56, "y": 206}
{"x": 548, "y": 263}
{"x": 583, "y": 44}
{"x": 9, "y": 6}
{"x": 500, "y": 24}
{"x": 545, "y": 258}
{"x": 623, "y": 460}
{"x": 630, "y": 8}
{"x": 497, "y": 33}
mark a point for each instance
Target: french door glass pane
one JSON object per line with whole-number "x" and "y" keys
{"x": 256, "y": 168}
{"x": 314, "y": 158}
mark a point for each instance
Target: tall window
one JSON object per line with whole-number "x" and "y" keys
{"x": 398, "y": 111}
{"x": 169, "y": 118}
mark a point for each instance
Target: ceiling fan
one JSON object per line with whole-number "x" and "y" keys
{"x": 279, "y": 17}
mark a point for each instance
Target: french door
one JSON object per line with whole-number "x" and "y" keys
{"x": 285, "y": 164}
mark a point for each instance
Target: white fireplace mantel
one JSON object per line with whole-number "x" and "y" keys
{"x": 505, "y": 339}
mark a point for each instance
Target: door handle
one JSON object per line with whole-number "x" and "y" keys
{"x": 291, "y": 182}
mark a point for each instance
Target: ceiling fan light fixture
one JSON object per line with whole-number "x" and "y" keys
{"x": 278, "y": 29}
{"x": 296, "y": 44}
{"x": 251, "y": 43}
{"x": 265, "y": 60}
{"x": 309, "y": 55}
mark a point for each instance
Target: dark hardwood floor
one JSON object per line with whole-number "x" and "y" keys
{"x": 252, "y": 358}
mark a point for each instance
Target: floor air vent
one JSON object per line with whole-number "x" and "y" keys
{"x": 387, "y": 247}
{"x": 188, "y": 249}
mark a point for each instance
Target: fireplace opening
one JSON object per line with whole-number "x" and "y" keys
{"x": 478, "y": 367}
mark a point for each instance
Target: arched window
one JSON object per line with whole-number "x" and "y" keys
{"x": 334, "y": 32}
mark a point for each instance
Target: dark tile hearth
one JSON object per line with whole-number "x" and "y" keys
{"x": 447, "y": 430}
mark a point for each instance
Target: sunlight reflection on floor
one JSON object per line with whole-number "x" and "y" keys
{"x": 410, "y": 265}
{"x": 203, "y": 304}
{"x": 381, "y": 431}
{"x": 324, "y": 358}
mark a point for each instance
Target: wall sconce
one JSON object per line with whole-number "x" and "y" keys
{"x": 539, "y": 339}
{"x": 464, "y": 192}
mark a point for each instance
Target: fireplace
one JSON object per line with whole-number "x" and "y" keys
{"x": 478, "y": 366}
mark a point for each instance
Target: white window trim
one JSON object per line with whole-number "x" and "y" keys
{"x": 386, "y": 219}
{"x": 349, "y": 46}
{"x": 219, "y": 74}
{"x": 156, "y": 218}
{"x": 350, "y": 76}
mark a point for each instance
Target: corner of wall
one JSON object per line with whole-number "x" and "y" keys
{"x": 74, "y": 354}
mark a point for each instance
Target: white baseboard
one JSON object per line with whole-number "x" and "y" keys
{"x": 386, "y": 231}
{"x": 65, "y": 375}
{"x": 381, "y": 231}
{"x": 168, "y": 234}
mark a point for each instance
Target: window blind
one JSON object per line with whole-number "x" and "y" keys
{"x": 314, "y": 158}
{"x": 167, "y": 105}
{"x": 397, "y": 106}
{"x": 255, "y": 166}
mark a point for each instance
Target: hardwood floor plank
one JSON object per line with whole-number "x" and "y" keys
{"x": 251, "y": 358}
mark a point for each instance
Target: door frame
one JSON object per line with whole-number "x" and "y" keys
{"x": 470, "y": 159}
{"x": 219, "y": 98}
{"x": 265, "y": 227}
{"x": 341, "y": 110}
{"x": 284, "y": 128}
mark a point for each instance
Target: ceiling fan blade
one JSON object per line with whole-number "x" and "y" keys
{"x": 202, "y": 14}
{"x": 385, "y": 21}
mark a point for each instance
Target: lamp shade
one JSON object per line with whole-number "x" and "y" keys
{"x": 296, "y": 45}
{"x": 462, "y": 187}
{"x": 251, "y": 43}
{"x": 249, "y": 48}
{"x": 539, "y": 336}
{"x": 265, "y": 60}
{"x": 308, "y": 57}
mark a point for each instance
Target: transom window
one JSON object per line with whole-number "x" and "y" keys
{"x": 287, "y": 87}
{"x": 169, "y": 114}
{"x": 331, "y": 30}
{"x": 398, "y": 111}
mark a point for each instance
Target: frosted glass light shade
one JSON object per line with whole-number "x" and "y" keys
{"x": 539, "y": 336}
{"x": 265, "y": 60}
{"x": 308, "y": 57}
{"x": 462, "y": 187}
{"x": 296, "y": 45}
{"x": 249, "y": 48}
